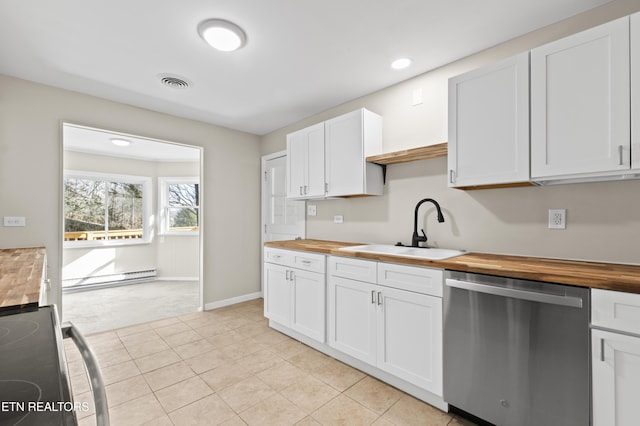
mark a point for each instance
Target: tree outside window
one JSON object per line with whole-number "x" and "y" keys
{"x": 180, "y": 205}
{"x": 104, "y": 208}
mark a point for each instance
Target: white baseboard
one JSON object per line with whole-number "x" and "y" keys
{"x": 232, "y": 301}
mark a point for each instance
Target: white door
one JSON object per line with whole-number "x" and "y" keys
{"x": 308, "y": 316}
{"x": 580, "y": 119}
{"x": 283, "y": 219}
{"x": 410, "y": 337}
{"x": 615, "y": 360}
{"x": 352, "y": 318}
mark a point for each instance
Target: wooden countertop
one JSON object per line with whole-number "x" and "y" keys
{"x": 21, "y": 274}
{"x": 608, "y": 276}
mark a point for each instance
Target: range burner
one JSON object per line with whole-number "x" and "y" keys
{"x": 17, "y": 395}
{"x": 13, "y": 330}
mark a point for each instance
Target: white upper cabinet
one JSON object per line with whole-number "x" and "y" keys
{"x": 580, "y": 95}
{"x": 349, "y": 139}
{"x": 328, "y": 159}
{"x": 635, "y": 91}
{"x": 305, "y": 162}
{"x": 489, "y": 124}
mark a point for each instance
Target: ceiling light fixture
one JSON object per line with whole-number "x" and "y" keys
{"x": 222, "y": 35}
{"x": 120, "y": 142}
{"x": 400, "y": 64}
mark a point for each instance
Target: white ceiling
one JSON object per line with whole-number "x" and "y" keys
{"x": 97, "y": 141}
{"x": 302, "y": 57}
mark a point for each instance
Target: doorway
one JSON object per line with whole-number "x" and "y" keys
{"x": 131, "y": 245}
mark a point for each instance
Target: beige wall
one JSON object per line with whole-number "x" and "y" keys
{"x": 603, "y": 219}
{"x": 31, "y": 116}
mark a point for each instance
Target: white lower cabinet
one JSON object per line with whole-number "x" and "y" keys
{"x": 615, "y": 357}
{"x": 398, "y": 331}
{"x": 294, "y": 292}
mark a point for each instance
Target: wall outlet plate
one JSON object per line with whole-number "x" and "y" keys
{"x": 311, "y": 210}
{"x": 14, "y": 221}
{"x": 557, "y": 218}
{"x": 338, "y": 218}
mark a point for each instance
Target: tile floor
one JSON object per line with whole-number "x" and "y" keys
{"x": 227, "y": 367}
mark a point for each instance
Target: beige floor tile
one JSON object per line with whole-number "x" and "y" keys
{"x": 309, "y": 393}
{"x": 459, "y": 421}
{"x": 234, "y": 421}
{"x": 271, "y": 338}
{"x": 108, "y": 343}
{"x": 142, "y": 336}
{"x": 183, "y": 393}
{"x": 246, "y": 393}
{"x": 118, "y": 372}
{"x": 224, "y": 376}
{"x": 118, "y": 356}
{"x": 210, "y": 329}
{"x": 76, "y": 367}
{"x": 308, "y": 421}
{"x": 273, "y": 411}
{"x": 225, "y": 339}
{"x": 87, "y": 421}
{"x": 208, "y": 411}
{"x": 382, "y": 422}
{"x": 160, "y": 421}
{"x": 310, "y": 361}
{"x": 374, "y": 394}
{"x": 164, "y": 322}
{"x": 339, "y": 375}
{"x": 191, "y": 349}
{"x": 169, "y": 375}
{"x": 410, "y": 411}
{"x": 80, "y": 384}
{"x": 136, "y": 412}
{"x": 86, "y": 401}
{"x": 171, "y": 329}
{"x": 182, "y": 338}
{"x": 127, "y": 390}
{"x": 147, "y": 347}
{"x": 237, "y": 322}
{"x": 288, "y": 349}
{"x": 282, "y": 375}
{"x": 343, "y": 410}
{"x": 259, "y": 361}
{"x": 157, "y": 360}
{"x": 252, "y": 329}
{"x": 242, "y": 348}
{"x": 122, "y": 332}
{"x": 207, "y": 361}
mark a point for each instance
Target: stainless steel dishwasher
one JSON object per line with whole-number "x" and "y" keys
{"x": 516, "y": 352}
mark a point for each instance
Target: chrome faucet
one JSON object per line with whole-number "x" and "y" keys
{"x": 416, "y": 239}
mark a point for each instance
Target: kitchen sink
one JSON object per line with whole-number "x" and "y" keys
{"x": 427, "y": 253}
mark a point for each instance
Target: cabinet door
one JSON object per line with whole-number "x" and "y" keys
{"x": 315, "y": 186}
{"x": 277, "y": 294}
{"x": 308, "y": 316}
{"x": 410, "y": 337}
{"x": 580, "y": 117}
{"x": 489, "y": 124}
{"x": 296, "y": 163}
{"x": 344, "y": 154}
{"x": 635, "y": 91}
{"x": 615, "y": 369}
{"x": 352, "y": 318}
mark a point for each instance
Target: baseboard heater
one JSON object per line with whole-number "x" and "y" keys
{"x": 82, "y": 283}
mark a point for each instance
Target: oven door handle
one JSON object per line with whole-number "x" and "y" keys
{"x": 95, "y": 376}
{"x": 533, "y": 296}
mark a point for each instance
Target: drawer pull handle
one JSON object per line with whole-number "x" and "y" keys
{"x": 286, "y": 275}
{"x": 379, "y": 298}
{"x": 620, "y": 159}
{"x": 306, "y": 262}
{"x": 373, "y": 297}
{"x": 602, "y": 349}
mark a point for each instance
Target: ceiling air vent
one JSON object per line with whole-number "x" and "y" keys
{"x": 174, "y": 81}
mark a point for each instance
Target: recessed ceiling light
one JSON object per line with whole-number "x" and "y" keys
{"x": 222, "y": 35}
{"x": 120, "y": 142}
{"x": 401, "y": 63}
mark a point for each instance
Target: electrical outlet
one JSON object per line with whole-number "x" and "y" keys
{"x": 311, "y": 210}
{"x": 15, "y": 221}
{"x": 557, "y": 219}
{"x": 338, "y": 218}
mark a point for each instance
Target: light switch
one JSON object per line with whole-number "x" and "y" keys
{"x": 14, "y": 221}
{"x": 311, "y": 210}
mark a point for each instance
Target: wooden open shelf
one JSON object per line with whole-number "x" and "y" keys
{"x": 413, "y": 154}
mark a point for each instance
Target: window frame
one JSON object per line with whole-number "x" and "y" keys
{"x": 147, "y": 195}
{"x": 163, "y": 199}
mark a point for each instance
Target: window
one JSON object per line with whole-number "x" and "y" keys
{"x": 179, "y": 206}
{"x": 102, "y": 209}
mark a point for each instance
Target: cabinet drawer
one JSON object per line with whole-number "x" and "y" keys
{"x": 615, "y": 310}
{"x": 312, "y": 262}
{"x": 354, "y": 269}
{"x": 411, "y": 278}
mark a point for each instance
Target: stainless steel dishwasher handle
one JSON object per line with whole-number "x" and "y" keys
{"x": 574, "y": 302}
{"x": 95, "y": 376}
